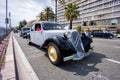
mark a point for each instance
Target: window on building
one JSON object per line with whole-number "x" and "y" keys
{"x": 84, "y": 23}
{"x": 114, "y": 22}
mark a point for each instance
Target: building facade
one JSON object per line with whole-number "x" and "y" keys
{"x": 93, "y": 13}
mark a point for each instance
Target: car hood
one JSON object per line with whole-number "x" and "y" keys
{"x": 26, "y": 31}
{"x": 52, "y": 33}
{"x": 57, "y": 32}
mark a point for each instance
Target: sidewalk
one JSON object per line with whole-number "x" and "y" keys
{"x": 8, "y": 69}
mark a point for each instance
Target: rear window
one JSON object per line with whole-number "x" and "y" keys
{"x": 97, "y": 31}
{"x": 26, "y": 29}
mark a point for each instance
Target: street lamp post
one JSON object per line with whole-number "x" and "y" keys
{"x": 9, "y": 19}
{"x": 6, "y": 19}
{"x": 56, "y": 10}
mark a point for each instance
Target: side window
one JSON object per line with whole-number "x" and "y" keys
{"x": 94, "y": 32}
{"x": 101, "y": 32}
{"x": 37, "y": 27}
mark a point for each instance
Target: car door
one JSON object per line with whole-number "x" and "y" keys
{"x": 32, "y": 34}
{"x": 95, "y": 33}
{"x": 101, "y": 34}
{"x": 38, "y": 34}
{"x": 98, "y": 33}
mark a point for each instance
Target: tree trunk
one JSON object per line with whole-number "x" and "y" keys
{"x": 47, "y": 17}
{"x": 70, "y": 24}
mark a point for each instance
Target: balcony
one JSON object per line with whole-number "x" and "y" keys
{"x": 99, "y": 8}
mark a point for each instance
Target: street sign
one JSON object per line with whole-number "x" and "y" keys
{"x": 6, "y": 20}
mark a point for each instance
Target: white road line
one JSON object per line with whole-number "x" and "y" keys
{"x": 117, "y": 46}
{"x": 113, "y": 61}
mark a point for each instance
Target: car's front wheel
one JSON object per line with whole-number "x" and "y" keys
{"x": 28, "y": 41}
{"x": 54, "y": 54}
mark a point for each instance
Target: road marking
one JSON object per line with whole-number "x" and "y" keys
{"x": 116, "y": 46}
{"x": 113, "y": 61}
{"x": 100, "y": 76}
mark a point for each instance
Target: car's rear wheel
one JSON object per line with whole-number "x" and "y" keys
{"x": 110, "y": 37}
{"x": 54, "y": 54}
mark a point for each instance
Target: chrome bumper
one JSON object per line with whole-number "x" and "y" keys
{"x": 78, "y": 55}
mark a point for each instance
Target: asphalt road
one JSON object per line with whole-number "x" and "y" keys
{"x": 102, "y": 64}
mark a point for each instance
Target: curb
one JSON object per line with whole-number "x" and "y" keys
{"x": 25, "y": 71}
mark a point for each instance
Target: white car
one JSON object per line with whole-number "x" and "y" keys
{"x": 62, "y": 45}
{"x": 118, "y": 36}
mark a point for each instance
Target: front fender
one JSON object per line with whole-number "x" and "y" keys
{"x": 60, "y": 42}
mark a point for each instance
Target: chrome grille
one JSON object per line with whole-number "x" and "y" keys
{"x": 77, "y": 42}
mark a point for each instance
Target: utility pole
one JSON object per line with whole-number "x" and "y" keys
{"x": 9, "y": 19}
{"x": 6, "y": 19}
{"x": 56, "y": 10}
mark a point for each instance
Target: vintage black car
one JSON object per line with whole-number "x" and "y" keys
{"x": 101, "y": 33}
{"x": 62, "y": 45}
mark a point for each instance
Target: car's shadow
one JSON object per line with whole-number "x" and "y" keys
{"x": 81, "y": 67}
{"x": 84, "y": 66}
{"x": 38, "y": 47}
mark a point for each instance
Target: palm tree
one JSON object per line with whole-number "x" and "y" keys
{"x": 49, "y": 13}
{"x": 41, "y": 16}
{"x": 22, "y": 23}
{"x": 71, "y": 12}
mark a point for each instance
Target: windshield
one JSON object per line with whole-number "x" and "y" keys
{"x": 26, "y": 29}
{"x": 52, "y": 26}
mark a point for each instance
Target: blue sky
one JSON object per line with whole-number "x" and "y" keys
{"x": 23, "y": 9}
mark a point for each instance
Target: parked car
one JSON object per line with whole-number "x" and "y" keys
{"x": 24, "y": 32}
{"x": 101, "y": 33}
{"x": 61, "y": 45}
{"x": 15, "y": 31}
{"x": 118, "y": 36}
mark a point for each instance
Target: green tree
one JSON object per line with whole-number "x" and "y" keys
{"x": 22, "y": 23}
{"x": 78, "y": 28}
{"x": 71, "y": 12}
{"x": 49, "y": 14}
{"x": 41, "y": 16}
